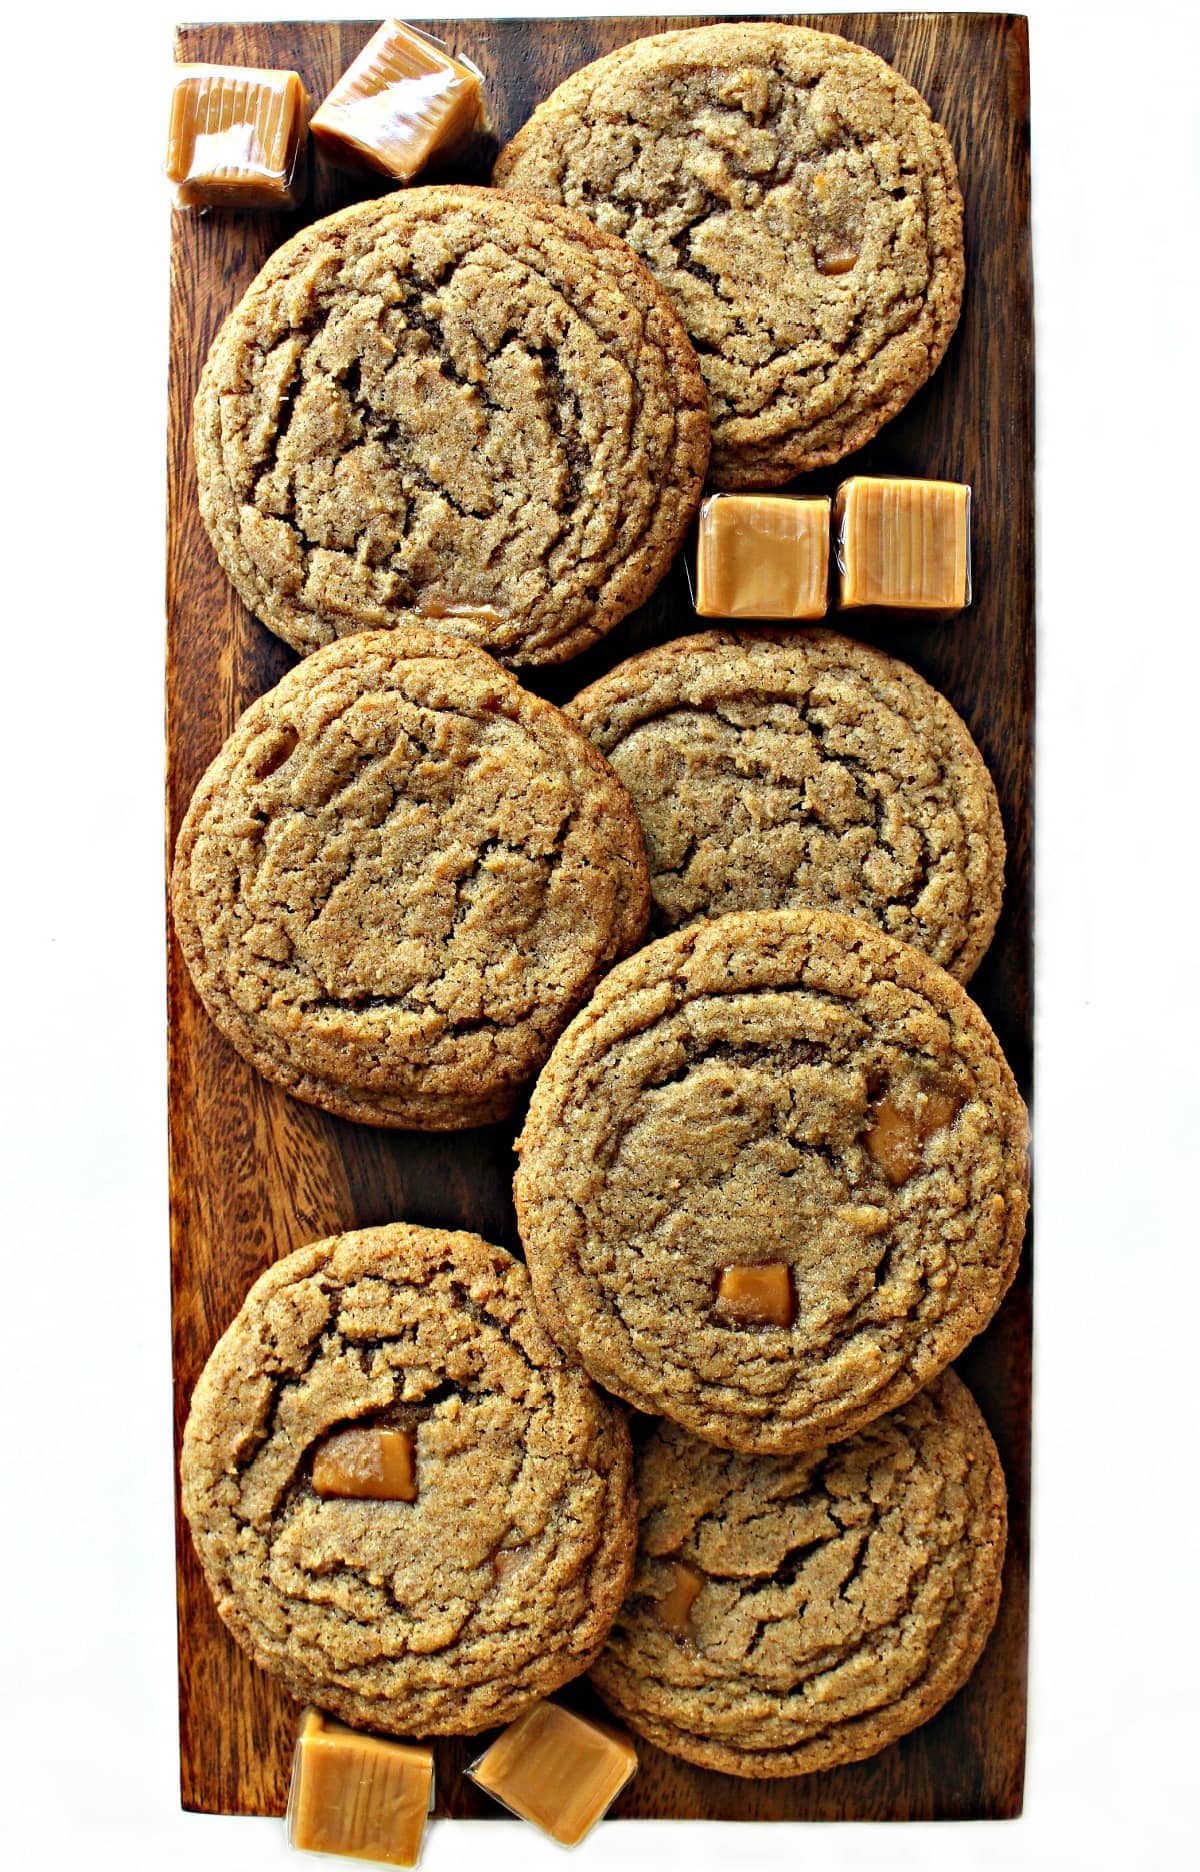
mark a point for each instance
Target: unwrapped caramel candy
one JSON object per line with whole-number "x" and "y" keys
{"x": 357, "y": 1795}
{"x": 404, "y": 100}
{"x": 370, "y": 1464}
{"x": 757, "y": 1295}
{"x": 762, "y": 556}
{"x": 557, "y": 1770}
{"x": 904, "y": 544}
{"x": 237, "y": 136}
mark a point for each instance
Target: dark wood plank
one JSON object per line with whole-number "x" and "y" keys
{"x": 253, "y": 1174}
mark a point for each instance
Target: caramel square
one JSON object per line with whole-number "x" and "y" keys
{"x": 762, "y": 556}
{"x": 903, "y": 544}
{"x": 557, "y": 1770}
{"x": 367, "y": 1464}
{"x": 403, "y": 101}
{"x": 358, "y": 1795}
{"x": 757, "y": 1295}
{"x": 236, "y": 137}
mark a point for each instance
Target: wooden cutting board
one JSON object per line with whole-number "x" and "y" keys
{"x": 254, "y": 1174}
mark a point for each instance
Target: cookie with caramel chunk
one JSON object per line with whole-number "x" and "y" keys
{"x": 834, "y": 1600}
{"x": 797, "y": 200}
{"x": 775, "y": 768}
{"x": 773, "y": 1178}
{"x": 450, "y": 406}
{"x": 400, "y": 877}
{"x": 408, "y": 1505}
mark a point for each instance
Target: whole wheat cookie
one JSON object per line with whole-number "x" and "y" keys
{"x": 792, "y": 1613}
{"x": 496, "y": 1573}
{"x": 772, "y": 769}
{"x": 400, "y": 877}
{"x": 799, "y": 203}
{"x": 773, "y": 1178}
{"x": 447, "y": 405}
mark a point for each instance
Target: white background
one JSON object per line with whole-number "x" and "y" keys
{"x": 87, "y": 1700}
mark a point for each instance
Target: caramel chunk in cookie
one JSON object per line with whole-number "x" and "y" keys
{"x": 893, "y": 1142}
{"x": 836, "y": 260}
{"x": 675, "y": 1608}
{"x": 898, "y": 1132}
{"x": 756, "y": 1295}
{"x": 374, "y": 1465}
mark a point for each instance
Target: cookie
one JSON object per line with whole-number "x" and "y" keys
{"x": 792, "y": 1613}
{"x": 772, "y": 769}
{"x": 450, "y": 1611}
{"x": 773, "y": 1178}
{"x": 450, "y": 406}
{"x": 800, "y": 205}
{"x": 400, "y": 877}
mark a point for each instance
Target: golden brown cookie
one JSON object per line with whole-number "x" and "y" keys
{"x": 796, "y": 199}
{"x": 450, "y": 1611}
{"x": 449, "y": 406}
{"x": 400, "y": 877}
{"x": 773, "y": 1178}
{"x": 789, "y": 1613}
{"x": 797, "y": 768}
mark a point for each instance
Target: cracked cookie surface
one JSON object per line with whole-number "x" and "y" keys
{"x": 774, "y": 769}
{"x": 797, "y": 200}
{"x": 445, "y": 1614}
{"x": 450, "y": 406}
{"x": 400, "y": 877}
{"x": 835, "y": 1600}
{"x": 789, "y": 1091}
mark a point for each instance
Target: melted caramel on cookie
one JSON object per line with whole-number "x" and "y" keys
{"x": 675, "y": 1608}
{"x": 897, "y": 1134}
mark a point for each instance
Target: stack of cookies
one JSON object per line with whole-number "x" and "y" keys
{"x": 712, "y": 921}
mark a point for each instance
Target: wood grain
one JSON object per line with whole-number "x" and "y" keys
{"x": 253, "y": 1174}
